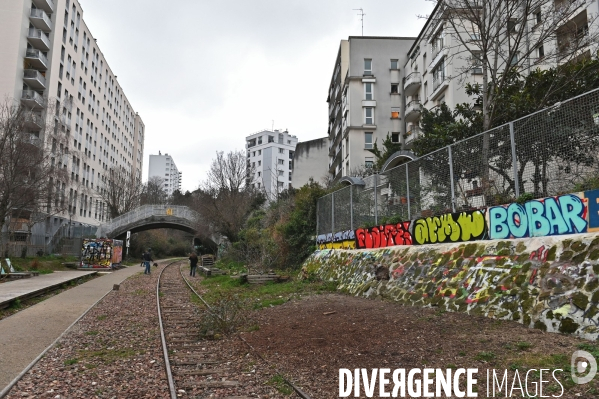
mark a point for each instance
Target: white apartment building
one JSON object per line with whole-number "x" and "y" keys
{"x": 365, "y": 100}
{"x": 438, "y": 65}
{"x": 163, "y": 166}
{"x": 50, "y": 57}
{"x": 270, "y": 157}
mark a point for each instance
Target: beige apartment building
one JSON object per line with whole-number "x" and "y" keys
{"x": 48, "y": 56}
{"x": 364, "y": 100}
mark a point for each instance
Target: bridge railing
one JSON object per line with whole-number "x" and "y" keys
{"x": 147, "y": 211}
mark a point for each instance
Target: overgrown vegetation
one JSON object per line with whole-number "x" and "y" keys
{"x": 280, "y": 234}
{"x": 231, "y": 300}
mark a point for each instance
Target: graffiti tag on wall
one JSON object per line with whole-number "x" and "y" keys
{"x": 451, "y": 227}
{"x": 565, "y": 214}
{"x": 546, "y": 217}
{"x": 384, "y": 236}
{"x": 101, "y": 253}
{"x": 341, "y": 240}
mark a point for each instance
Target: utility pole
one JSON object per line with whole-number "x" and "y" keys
{"x": 361, "y": 14}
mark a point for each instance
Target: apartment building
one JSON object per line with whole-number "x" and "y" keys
{"x": 163, "y": 166}
{"x": 310, "y": 161}
{"x": 270, "y": 159}
{"x": 365, "y": 100}
{"x": 439, "y": 65}
{"x": 50, "y": 58}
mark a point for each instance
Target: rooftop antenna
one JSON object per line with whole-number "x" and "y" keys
{"x": 361, "y": 14}
{"x": 272, "y": 129}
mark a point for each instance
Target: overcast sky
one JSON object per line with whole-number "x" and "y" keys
{"x": 205, "y": 74}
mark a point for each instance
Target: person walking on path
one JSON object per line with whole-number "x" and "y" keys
{"x": 193, "y": 263}
{"x": 147, "y": 258}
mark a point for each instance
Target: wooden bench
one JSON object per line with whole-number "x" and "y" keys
{"x": 262, "y": 278}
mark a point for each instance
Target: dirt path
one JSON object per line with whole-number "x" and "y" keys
{"x": 312, "y": 338}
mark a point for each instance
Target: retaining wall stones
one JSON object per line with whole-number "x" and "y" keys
{"x": 550, "y": 283}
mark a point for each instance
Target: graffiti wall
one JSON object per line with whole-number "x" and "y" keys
{"x": 552, "y": 216}
{"x": 566, "y": 214}
{"x": 341, "y": 240}
{"x": 451, "y": 227}
{"x": 101, "y": 253}
{"x": 384, "y": 236}
{"x": 550, "y": 283}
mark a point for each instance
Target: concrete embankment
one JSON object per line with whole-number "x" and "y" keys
{"x": 549, "y": 283}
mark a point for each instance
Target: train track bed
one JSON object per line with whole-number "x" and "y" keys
{"x": 115, "y": 352}
{"x": 204, "y": 368}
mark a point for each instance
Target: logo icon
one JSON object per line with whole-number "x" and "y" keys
{"x": 583, "y": 362}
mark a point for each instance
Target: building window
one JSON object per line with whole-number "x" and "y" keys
{"x": 394, "y": 113}
{"x": 477, "y": 62}
{"x": 394, "y": 88}
{"x": 367, "y": 67}
{"x": 259, "y": 140}
{"x": 281, "y": 151}
{"x": 259, "y": 152}
{"x": 425, "y": 90}
{"x": 369, "y": 116}
{"x": 541, "y": 51}
{"x": 369, "y": 162}
{"x": 511, "y": 26}
{"x": 281, "y": 173}
{"x": 259, "y": 163}
{"x": 281, "y": 162}
{"x": 395, "y": 137}
{"x": 514, "y": 60}
{"x": 368, "y": 140}
{"x": 368, "y": 91}
{"x": 271, "y": 139}
{"x": 259, "y": 174}
{"x": 394, "y": 64}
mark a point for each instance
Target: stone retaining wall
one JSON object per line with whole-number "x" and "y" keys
{"x": 548, "y": 283}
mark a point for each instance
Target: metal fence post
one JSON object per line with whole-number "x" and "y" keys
{"x": 317, "y": 217}
{"x": 333, "y": 214}
{"x": 351, "y": 207}
{"x": 451, "y": 178}
{"x": 514, "y": 161}
{"x": 408, "y": 192}
{"x": 376, "y": 206}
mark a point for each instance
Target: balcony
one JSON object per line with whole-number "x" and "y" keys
{"x": 33, "y": 121}
{"x": 38, "y": 39}
{"x": 413, "y": 110}
{"x": 46, "y": 5}
{"x": 36, "y": 59}
{"x": 32, "y": 99}
{"x": 440, "y": 82}
{"x": 34, "y": 79}
{"x": 412, "y": 83}
{"x": 40, "y": 20}
{"x": 413, "y": 133}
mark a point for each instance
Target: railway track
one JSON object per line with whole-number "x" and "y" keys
{"x": 194, "y": 367}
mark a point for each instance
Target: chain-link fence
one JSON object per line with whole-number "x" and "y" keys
{"x": 551, "y": 152}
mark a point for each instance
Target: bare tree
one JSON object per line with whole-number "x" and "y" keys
{"x": 121, "y": 191}
{"x": 33, "y": 174}
{"x": 494, "y": 38}
{"x": 153, "y": 192}
{"x": 227, "y": 195}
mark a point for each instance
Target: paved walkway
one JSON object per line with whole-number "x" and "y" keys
{"x": 26, "y": 334}
{"x": 26, "y": 287}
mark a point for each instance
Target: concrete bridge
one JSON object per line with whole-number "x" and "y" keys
{"x": 148, "y": 217}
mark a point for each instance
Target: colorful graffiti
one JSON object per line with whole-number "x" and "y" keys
{"x": 565, "y": 214}
{"x": 101, "y": 253}
{"x": 341, "y": 240}
{"x": 549, "y": 283}
{"x": 384, "y": 236}
{"x": 538, "y": 218}
{"x": 451, "y": 227}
